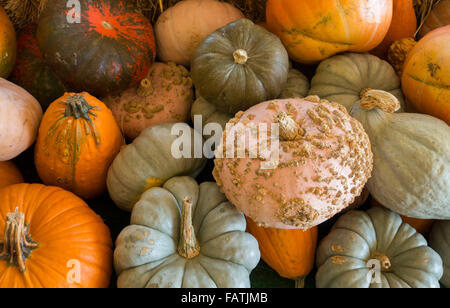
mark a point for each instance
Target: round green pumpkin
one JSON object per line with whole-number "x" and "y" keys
{"x": 239, "y": 65}
{"x": 377, "y": 237}
{"x": 185, "y": 235}
{"x": 440, "y": 241}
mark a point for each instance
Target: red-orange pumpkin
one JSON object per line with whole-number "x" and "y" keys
{"x": 9, "y": 174}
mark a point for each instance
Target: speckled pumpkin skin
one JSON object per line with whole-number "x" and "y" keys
{"x": 8, "y": 45}
{"x": 318, "y": 175}
{"x": 168, "y": 100}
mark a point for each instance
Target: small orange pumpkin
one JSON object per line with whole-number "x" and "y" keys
{"x": 9, "y": 174}
{"x": 78, "y": 140}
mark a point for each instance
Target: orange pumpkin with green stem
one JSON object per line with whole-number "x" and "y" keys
{"x": 9, "y": 174}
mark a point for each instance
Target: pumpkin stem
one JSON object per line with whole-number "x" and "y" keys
{"x": 289, "y": 129}
{"x": 188, "y": 246}
{"x": 384, "y": 261}
{"x": 17, "y": 243}
{"x": 145, "y": 88}
{"x": 379, "y": 99}
{"x": 300, "y": 282}
{"x": 240, "y": 56}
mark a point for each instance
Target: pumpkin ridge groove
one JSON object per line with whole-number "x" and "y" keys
{"x": 305, "y": 34}
{"x": 429, "y": 83}
{"x": 343, "y": 273}
{"x": 223, "y": 260}
{"x": 372, "y": 249}
{"x": 207, "y": 272}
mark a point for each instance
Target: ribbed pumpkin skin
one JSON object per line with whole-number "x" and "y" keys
{"x": 8, "y": 45}
{"x": 439, "y": 17}
{"x": 426, "y": 74}
{"x": 9, "y": 174}
{"x": 315, "y": 30}
{"x": 66, "y": 229}
{"x": 440, "y": 241}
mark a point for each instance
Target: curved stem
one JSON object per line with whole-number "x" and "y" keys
{"x": 382, "y": 100}
{"x": 145, "y": 88}
{"x": 188, "y": 246}
{"x": 289, "y": 129}
{"x": 240, "y": 56}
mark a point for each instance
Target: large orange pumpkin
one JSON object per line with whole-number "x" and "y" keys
{"x": 289, "y": 252}
{"x": 9, "y": 174}
{"x": 62, "y": 242}
{"x": 426, "y": 74}
{"x": 78, "y": 139}
{"x": 315, "y": 30}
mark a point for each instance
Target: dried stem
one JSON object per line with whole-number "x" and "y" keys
{"x": 188, "y": 246}
{"x": 379, "y": 99}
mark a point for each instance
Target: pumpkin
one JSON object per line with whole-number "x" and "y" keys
{"x": 398, "y": 52}
{"x": 239, "y": 65}
{"x": 403, "y": 25}
{"x": 78, "y": 140}
{"x": 61, "y": 242}
{"x": 20, "y": 116}
{"x": 9, "y": 174}
{"x": 108, "y": 50}
{"x": 342, "y": 78}
{"x": 32, "y": 73}
{"x": 440, "y": 241}
{"x": 375, "y": 249}
{"x": 183, "y": 26}
{"x": 315, "y": 30}
{"x": 290, "y": 253}
{"x": 314, "y": 168}
{"x": 152, "y": 159}
{"x": 438, "y": 17}
{"x": 426, "y": 74}
{"x": 185, "y": 235}
{"x": 164, "y": 96}
{"x": 411, "y": 173}
{"x": 8, "y": 45}
{"x": 297, "y": 85}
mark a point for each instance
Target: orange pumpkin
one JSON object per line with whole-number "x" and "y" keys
{"x": 9, "y": 174}
{"x": 63, "y": 243}
{"x": 8, "y": 45}
{"x": 315, "y": 30}
{"x": 78, "y": 140}
{"x": 289, "y": 252}
{"x": 426, "y": 74}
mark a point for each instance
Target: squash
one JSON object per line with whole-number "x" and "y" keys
{"x": 375, "y": 249}
{"x": 316, "y": 30}
{"x": 398, "y": 52}
{"x": 164, "y": 96}
{"x": 78, "y": 140}
{"x": 62, "y": 242}
{"x": 8, "y": 45}
{"x": 183, "y": 26}
{"x": 313, "y": 168}
{"x": 297, "y": 85}
{"x": 438, "y": 17}
{"x": 411, "y": 173}
{"x": 109, "y": 50}
{"x": 342, "y": 78}
{"x": 440, "y": 241}
{"x": 20, "y": 116}
{"x": 152, "y": 159}
{"x": 9, "y": 174}
{"x": 32, "y": 73}
{"x": 239, "y": 65}
{"x": 426, "y": 74}
{"x": 185, "y": 235}
{"x": 290, "y": 253}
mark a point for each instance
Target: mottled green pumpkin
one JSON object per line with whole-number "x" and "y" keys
{"x": 440, "y": 241}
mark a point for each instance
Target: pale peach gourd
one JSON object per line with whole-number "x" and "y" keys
{"x": 20, "y": 116}
{"x": 182, "y": 27}
{"x": 165, "y": 96}
{"x": 324, "y": 162}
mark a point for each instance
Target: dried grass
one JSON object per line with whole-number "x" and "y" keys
{"x": 423, "y": 9}
{"x": 23, "y": 12}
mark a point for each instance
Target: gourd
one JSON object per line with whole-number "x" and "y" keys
{"x": 62, "y": 242}
{"x": 185, "y": 235}
{"x": 297, "y": 85}
{"x": 313, "y": 31}
{"x": 438, "y": 17}
{"x": 342, "y": 78}
{"x": 20, "y": 116}
{"x": 153, "y": 158}
{"x": 9, "y": 174}
{"x": 8, "y": 45}
{"x": 411, "y": 173}
{"x": 164, "y": 96}
{"x": 313, "y": 169}
{"x": 290, "y": 253}
{"x": 107, "y": 51}
{"x": 440, "y": 242}
{"x": 375, "y": 249}
{"x": 239, "y": 65}
{"x": 183, "y": 26}
{"x": 426, "y": 78}
{"x": 78, "y": 140}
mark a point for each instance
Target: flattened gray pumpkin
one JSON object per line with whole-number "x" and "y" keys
{"x": 440, "y": 241}
{"x": 185, "y": 235}
{"x": 342, "y": 78}
{"x": 240, "y": 65}
{"x": 360, "y": 240}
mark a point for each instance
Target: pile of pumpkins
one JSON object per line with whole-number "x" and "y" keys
{"x": 104, "y": 117}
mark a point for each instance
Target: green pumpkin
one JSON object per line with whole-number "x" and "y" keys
{"x": 185, "y": 235}
{"x": 411, "y": 173}
{"x": 360, "y": 240}
{"x": 297, "y": 85}
{"x": 239, "y": 65}
{"x": 440, "y": 241}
